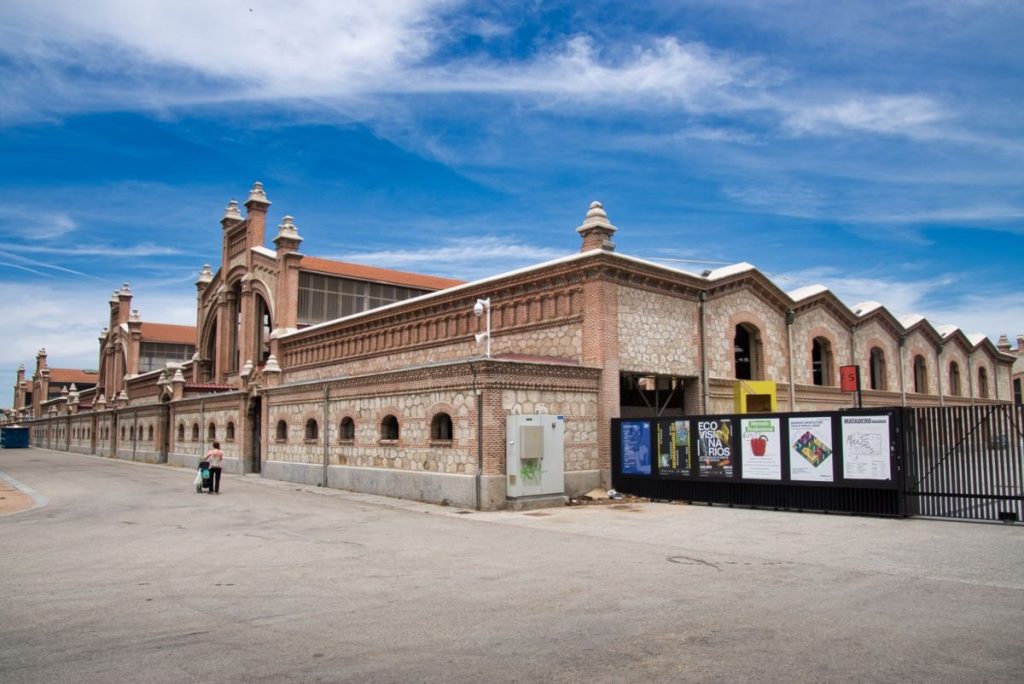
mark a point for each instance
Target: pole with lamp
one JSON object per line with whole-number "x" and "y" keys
{"x": 478, "y": 309}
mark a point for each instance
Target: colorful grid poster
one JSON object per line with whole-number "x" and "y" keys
{"x": 714, "y": 447}
{"x": 761, "y": 448}
{"x": 636, "y": 447}
{"x": 810, "y": 449}
{"x": 674, "y": 456}
{"x": 866, "y": 448}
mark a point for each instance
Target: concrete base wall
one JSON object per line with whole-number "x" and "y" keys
{"x": 582, "y": 481}
{"x": 79, "y": 450}
{"x": 457, "y": 490}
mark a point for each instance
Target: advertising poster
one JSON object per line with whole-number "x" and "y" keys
{"x": 866, "y": 448}
{"x": 674, "y": 448}
{"x": 761, "y": 448}
{"x": 636, "y": 447}
{"x": 714, "y": 447}
{"x": 810, "y": 444}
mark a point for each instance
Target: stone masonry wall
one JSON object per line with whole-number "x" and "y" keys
{"x": 658, "y": 333}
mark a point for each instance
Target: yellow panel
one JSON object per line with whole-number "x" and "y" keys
{"x": 755, "y": 396}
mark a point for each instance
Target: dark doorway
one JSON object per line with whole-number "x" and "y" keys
{"x": 648, "y": 394}
{"x": 255, "y": 439}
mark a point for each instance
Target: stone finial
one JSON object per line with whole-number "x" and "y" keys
{"x": 1003, "y": 344}
{"x": 246, "y": 369}
{"x": 178, "y": 376}
{"x": 73, "y": 389}
{"x": 271, "y": 366}
{"x": 1020, "y": 343}
{"x": 21, "y": 367}
{"x": 134, "y": 317}
{"x": 102, "y": 401}
{"x": 103, "y": 334}
{"x": 125, "y": 290}
{"x": 64, "y": 391}
{"x": 113, "y": 297}
{"x": 205, "y": 276}
{"x": 596, "y": 229}
{"x": 257, "y": 195}
{"x": 231, "y": 212}
{"x": 42, "y": 350}
{"x": 288, "y": 230}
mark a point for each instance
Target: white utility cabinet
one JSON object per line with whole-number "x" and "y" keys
{"x": 535, "y": 455}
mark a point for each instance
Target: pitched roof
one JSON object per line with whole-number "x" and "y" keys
{"x": 165, "y": 332}
{"x": 68, "y": 375}
{"x": 377, "y": 275}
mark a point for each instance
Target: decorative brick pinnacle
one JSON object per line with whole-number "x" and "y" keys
{"x": 257, "y": 196}
{"x": 596, "y": 229}
{"x": 232, "y": 213}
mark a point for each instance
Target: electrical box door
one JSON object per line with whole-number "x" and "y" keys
{"x": 534, "y": 457}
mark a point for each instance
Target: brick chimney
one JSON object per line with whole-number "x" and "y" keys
{"x": 596, "y": 230}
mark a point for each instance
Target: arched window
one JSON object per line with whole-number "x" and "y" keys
{"x": 312, "y": 430}
{"x": 389, "y": 428}
{"x": 877, "y": 362}
{"x": 983, "y": 383}
{"x": 181, "y": 432}
{"x": 195, "y": 432}
{"x": 211, "y": 431}
{"x": 441, "y": 427}
{"x": 149, "y": 434}
{"x": 954, "y": 379}
{"x": 347, "y": 429}
{"x": 281, "y": 434}
{"x": 122, "y": 433}
{"x": 747, "y": 352}
{"x": 821, "y": 361}
{"x": 920, "y": 375}
{"x": 229, "y": 432}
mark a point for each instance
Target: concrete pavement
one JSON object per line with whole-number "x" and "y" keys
{"x": 127, "y": 574}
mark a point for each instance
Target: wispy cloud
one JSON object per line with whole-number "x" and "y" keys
{"x": 110, "y": 251}
{"x": 466, "y": 258}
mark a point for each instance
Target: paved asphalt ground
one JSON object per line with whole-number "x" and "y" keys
{"x": 125, "y": 574}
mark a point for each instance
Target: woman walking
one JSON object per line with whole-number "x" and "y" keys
{"x": 216, "y": 458}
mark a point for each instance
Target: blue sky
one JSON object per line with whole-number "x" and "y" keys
{"x": 873, "y": 147}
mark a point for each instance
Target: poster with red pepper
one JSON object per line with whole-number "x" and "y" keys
{"x": 761, "y": 448}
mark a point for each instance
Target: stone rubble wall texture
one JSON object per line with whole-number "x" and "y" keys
{"x": 918, "y": 344}
{"x": 954, "y": 353}
{"x": 414, "y": 450}
{"x": 219, "y": 416}
{"x": 658, "y": 333}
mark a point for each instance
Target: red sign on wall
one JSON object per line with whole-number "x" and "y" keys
{"x": 849, "y": 378}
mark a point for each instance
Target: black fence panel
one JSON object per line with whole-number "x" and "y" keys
{"x": 965, "y": 462}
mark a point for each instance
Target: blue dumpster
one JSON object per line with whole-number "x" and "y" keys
{"x": 14, "y": 437}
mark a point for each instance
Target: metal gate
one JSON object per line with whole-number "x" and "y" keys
{"x": 965, "y": 462}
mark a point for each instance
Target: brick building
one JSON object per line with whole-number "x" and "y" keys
{"x": 374, "y": 380}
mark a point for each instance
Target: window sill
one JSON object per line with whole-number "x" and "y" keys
{"x": 347, "y": 442}
{"x": 387, "y": 442}
{"x": 441, "y": 443}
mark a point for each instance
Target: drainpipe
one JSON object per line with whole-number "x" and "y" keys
{"x": 970, "y": 377}
{"x": 327, "y": 434}
{"x": 705, "y": 384}
{"x": 903, "y": 369}
{"x": 478, "y": 394}
{"x": 790, "y": 318}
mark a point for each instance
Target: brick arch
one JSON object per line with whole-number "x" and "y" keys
{"x": 384, "y": 413}
{"x": 453, "y": 414}
{"x": 759, "y": 361}
{"x": 808, "y": 354}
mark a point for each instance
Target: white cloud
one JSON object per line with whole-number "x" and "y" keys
{"x": 465, "y": 258}
{"x": 913, "y": 115}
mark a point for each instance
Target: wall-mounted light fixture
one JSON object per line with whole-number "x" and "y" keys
{"x": 479, "y": 308}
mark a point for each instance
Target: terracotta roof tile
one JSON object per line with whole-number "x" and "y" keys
{"x": 67, "y": 375}
{"x": 165, "y": 332}
{"x": 378, "y": 275}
